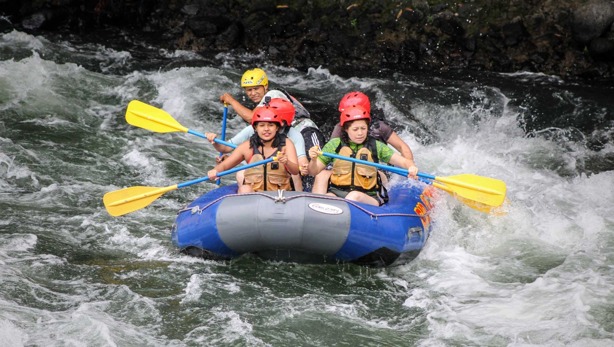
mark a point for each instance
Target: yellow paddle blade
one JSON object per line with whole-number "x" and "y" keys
{"x": 484, "y": 190}
{"x": 151, "y": 118}
{"x": 498, "y": 211}
{"x": 120, "y": 202}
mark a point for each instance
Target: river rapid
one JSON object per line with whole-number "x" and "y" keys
{"x": 541, "y": 274}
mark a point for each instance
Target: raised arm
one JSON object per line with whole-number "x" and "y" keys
{"x": 241, "y": 110}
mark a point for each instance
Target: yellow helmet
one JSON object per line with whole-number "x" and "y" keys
{"x": 254, "y": 77}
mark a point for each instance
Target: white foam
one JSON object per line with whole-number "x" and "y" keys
{"x": 18, "y": 243}
{"x": 321, "y": 78}
{"x": 149, "y": 167}
{"x": 534, "y": 76}
{"x": 231, "y": 329}
{"x": 11, "y": 335}
{"x": 111, "y": 59}
{"x": 193, "y": 290}
{"x": 525, "y": 276}
{"x": 180, "y": 54}
{"x": 21, "y": 39}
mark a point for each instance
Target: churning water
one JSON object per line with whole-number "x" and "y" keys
{"x": 71, "y": 275}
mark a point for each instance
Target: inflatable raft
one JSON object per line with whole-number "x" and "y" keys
{"x": 306, "y": 228}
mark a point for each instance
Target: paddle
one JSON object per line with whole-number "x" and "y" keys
{"x": 496, "y": 210}
{"x": 475, "y": 191}
{"x": 152, "y": 118}
{"x": 120, "y": 202}
{"x": 224, "y": 119}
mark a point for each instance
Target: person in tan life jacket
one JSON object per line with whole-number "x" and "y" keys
{"x": 300, "y": 128}
{"x": 350, "y": 180}
{"x": 378, "y": 129}
{"x": 266, "y": 142}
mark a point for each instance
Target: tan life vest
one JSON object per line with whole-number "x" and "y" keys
{"x": 349, "y": 175}
{"x": 265, "y": 178}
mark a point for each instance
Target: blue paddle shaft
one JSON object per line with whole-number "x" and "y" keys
{"x": 396, "y": 170}
{"x": 224, "y": 117}
{"x": 224, "y": 173}
{"x": 221, "y": 142}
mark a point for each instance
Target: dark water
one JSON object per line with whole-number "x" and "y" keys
{"x": 71, "y": 275}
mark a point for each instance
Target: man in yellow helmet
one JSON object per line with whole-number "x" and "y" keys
{"x": 256, "y": 84}
{"x": 303, "y": 131}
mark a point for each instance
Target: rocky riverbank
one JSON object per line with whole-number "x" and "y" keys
{"x": 571, "y": 39}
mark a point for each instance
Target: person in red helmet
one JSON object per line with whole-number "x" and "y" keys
{"x": 378, "y": 129}
{"x": 266, "y": 142}
{"x": 350, "y": 180}
{"x": 286, "y": 112}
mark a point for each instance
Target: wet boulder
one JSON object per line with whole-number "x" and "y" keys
{"x": 602, "y": 48}
{"x": 592, "y": 20}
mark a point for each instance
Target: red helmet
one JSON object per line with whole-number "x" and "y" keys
{"x": 355, "y": 98}
{"x": 284, "y": 109}
{"x": 266, "y": 114}
{"x": 353, "y": 113}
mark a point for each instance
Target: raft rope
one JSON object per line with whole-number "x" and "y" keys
{"x": 280, "y": 198}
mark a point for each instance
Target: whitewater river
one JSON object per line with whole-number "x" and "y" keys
{"x": 542, "y": 274}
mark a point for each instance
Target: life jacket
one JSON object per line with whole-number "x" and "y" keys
{"x": 348, "y": 175}
{"x": 272, "y": 176}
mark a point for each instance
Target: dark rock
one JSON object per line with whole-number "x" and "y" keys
{"x": 261, "y": 6}
{"x": 5, "y": 25}
{"x": 470, "y": 43}
{"x": 421, "y": 5}
{"x": 230, "y": 37}
{"x": 439, "y": 7}
{"x": 202, "y": 26}
{"x": 555, "y": 37}
{"x": 190, "y": 9}
{"x": 34, "y": 21}
{"x": 537, "y": 59}
{"x": 602, "y": 48}
{"x": 592, "y": 20}
{"x": 448, "y": 23}
{"x": 467, "y": 11}
{"x": 513, "y": 32}
{"x": 411, "y": 15}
